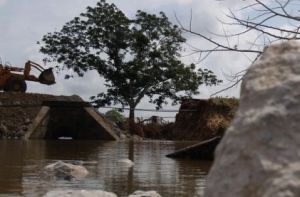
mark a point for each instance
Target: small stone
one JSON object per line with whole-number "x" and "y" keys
{"x": 24, "y": 128}
{"x": 27, "y": 121}
{"x": 79, "y": 193}
{"x": 125, "y": 163}
{"x": 17, "y": 103}
{"x": 4, "y": 129}
{"x": 122, "y": 136}
{"x": 136, "y": 138}
{"x": 145, "y": 194}
{"x": 19, "y": 134}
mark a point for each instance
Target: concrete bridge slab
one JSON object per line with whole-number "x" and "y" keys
{"x": 71, "y": 119}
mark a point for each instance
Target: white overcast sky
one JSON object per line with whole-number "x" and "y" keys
{"x": 24, "y": 22}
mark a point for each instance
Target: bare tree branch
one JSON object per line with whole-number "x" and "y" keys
{"x": 270, "y": 21}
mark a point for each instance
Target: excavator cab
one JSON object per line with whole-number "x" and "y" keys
{"x": 12, "y": 81}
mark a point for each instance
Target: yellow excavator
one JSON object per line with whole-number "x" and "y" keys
{"x": 13, "y": 80}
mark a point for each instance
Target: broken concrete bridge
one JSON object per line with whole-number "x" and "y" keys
{"x": 52, "y": 117}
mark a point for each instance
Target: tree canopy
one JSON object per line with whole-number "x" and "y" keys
{"x": 137, "y": 57}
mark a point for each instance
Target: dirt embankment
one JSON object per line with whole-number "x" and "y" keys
{"x": 18, "y": 110}
{"x": 204, "y": 119}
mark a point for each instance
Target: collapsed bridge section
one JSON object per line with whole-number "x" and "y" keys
{"x": 54, "y": 117}
{"x": 76, "y": 120}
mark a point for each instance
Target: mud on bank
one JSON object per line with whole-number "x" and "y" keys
{"x": 197, "y": 120}
{"x": 204, "y": 119}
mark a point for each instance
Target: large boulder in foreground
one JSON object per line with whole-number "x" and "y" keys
{"x": 260, "y": 152}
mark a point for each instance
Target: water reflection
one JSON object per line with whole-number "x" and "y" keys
{"x": 12, "y": 159}
{"x": 22, "y": 163}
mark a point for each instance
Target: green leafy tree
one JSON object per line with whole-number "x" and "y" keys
{"x": 137, "y": 57}
{"x": 115, "y": 116}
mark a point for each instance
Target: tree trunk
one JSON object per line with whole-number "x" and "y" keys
{"x": 131, "y": 120}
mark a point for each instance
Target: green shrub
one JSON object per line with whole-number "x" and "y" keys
{"x": 115, "y": 116}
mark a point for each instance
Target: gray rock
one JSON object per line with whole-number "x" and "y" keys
{"x": 259, "y": 155}
{"x": 19, "y": 133}
{"x": 125, "y": 163}
{"x": 17, "y": 103}
{"x": 3, "y": 129}
{"x": 136, "y": 138}
{"x": 66, "y": 170}
{"x": 123, "y": 136}
{"x": 27, "y": 121}
{"x": 79, "y": 193}
{"x": 145, "y": 194}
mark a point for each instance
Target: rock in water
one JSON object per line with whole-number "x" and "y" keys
{"x": 79, "y": 193}
{"x": 145, "y": 194}
{"x": 68, "y": 171}
{"x": 259, "y": 155}
{"x": 125, "y": 163}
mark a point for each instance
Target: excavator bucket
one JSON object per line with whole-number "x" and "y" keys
{"x": 47, "y": 77}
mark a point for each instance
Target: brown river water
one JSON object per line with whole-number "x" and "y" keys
{"x": 22, "y": 167}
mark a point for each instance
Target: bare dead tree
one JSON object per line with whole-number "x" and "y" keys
{"x": 271, "y": 21}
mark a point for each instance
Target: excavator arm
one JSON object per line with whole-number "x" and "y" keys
{"x": 26, "y": 71}
{"x": 46, "y": 76}
{"x": 10, "y": 81}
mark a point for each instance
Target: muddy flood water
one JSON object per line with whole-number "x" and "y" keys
{"x": 22, "y": 167}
